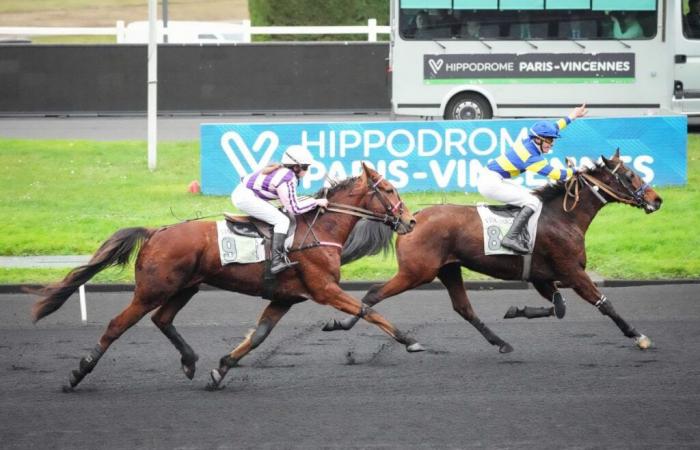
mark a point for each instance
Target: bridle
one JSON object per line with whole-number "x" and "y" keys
{"x": 392, "y": 217}
{"x": 632, "y": 196}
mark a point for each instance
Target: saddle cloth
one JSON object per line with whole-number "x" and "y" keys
{"x": 234, "y": 248}
{"x": 496, "y": 221}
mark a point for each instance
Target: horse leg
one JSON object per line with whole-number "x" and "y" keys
{"x": 163, "y": 319}
{"x": 451, "y": 277}
{"x": 589, "y": 292}
{"x": 548, "y": 290}
{"x": 270, "y": 316}
{"x": 397, "y": 284}
{"x": 117, "y": 326}
{"x": 335, "y": 297}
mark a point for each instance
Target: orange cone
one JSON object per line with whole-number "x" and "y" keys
{"x": 194, "y": 188}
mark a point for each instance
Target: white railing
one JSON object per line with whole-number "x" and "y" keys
{"x": 245, "y": 28}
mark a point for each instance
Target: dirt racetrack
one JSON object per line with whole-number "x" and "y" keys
{"x": 571, "y": 383}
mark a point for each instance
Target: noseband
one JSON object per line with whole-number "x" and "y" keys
{"x": 632, "y": 196}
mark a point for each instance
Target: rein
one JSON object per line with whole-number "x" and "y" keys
{"x": 635, "y": 197}
{"x": 389, "y": 218}
{"x": 358, "y": 212}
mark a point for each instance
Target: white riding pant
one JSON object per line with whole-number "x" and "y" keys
{"x": 246, "y": 200}
{"x": 492, "y": 185}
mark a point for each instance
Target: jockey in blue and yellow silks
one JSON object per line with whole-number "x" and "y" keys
{"x": 495, "y": 180}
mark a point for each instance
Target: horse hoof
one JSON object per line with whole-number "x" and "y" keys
{"x": 74, "y": 378}
{"x": 643, "y": 342}
{"x": 512, "y": 313}
{"x": 505, "y": 348}
{"x": 189, "y": 371}
{"x": 559, "y": 305}
{"x": 67, "y": 389}
{"x": 189, "y": 365}
{"x": 331, "y": 325}
{"x": 415, "y": 347}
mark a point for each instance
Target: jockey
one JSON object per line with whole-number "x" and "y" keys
{"x": 277, "y": 181}
{"x": 526, "y": 154}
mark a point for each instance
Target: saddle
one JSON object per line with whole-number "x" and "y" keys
{"x": 248, "y": 226}
{"x": 504, "y": 210}
{"x": 251, "y": 227}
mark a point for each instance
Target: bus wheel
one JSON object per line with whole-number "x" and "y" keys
{"x": 468, "y": 107}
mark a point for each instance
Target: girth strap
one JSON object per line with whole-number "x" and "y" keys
{"x": 527, "y": 266}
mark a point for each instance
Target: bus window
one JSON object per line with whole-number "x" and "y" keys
{"x": 525, "y": 25}
{"x": 691, "y": 19}
{"x": 573, "y": 25}
{"x": 427, "y": 24}
{"x": 532, "y": 20}
{"x": 477, "y": 25}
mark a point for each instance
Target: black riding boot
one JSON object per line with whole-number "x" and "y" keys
{"x": 514, "y": 239}
{"x": 279, "y": 254}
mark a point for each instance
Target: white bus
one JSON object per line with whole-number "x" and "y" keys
{"x": 476, "y": 59}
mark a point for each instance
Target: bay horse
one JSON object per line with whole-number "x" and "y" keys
{"x": 173, "y": 261}
{"x": 449, "y": 236}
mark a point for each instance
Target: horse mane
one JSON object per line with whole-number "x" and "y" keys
{"x": 366, "y": 238}
{"x": 339, "y": 186}
{"x": 555, "y": 190}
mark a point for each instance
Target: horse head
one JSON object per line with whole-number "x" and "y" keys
{"x": 623, "y": 184}
{"x": 383, "y": 198}
{"x": 371, "y": 192}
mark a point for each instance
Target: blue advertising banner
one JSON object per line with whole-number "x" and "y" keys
{"x": 440, "y": 155}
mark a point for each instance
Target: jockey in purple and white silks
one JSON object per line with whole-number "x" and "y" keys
{"x": 277, "y": 181}
{"x": 526, "y": 155}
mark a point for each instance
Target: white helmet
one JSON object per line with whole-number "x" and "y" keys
{"x": 297, "y": 154}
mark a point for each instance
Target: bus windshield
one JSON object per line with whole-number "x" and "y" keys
{"x": 528, "y": 19}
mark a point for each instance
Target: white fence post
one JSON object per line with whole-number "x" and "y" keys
{"x": 83, "y": 306}
{"x": 245, "y": 28}
{"x": 372, "y": 30}
{"x": 121, "y": 32}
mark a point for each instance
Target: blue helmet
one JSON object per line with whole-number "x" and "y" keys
{"x": 544, "y": 129}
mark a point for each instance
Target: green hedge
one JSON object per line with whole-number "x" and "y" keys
{"x": 313, "y": 12}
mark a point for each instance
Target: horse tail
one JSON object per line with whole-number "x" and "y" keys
{"x": 114, "y": 251}
{"x": 366, "y": 238}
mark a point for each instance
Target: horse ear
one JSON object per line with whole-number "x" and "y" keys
{"x": 366, "y": 171}
{"x": 617, "y": 154}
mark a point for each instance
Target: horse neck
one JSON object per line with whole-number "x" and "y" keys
{"x": 340, "y": 225}
{"x": 585, "y": 211}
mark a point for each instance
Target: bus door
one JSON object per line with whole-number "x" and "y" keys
{"x": 686, "y": 55}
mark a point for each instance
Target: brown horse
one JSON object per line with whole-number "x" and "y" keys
{"x": 174, "y": 260}
{"x": 449, "y": 236}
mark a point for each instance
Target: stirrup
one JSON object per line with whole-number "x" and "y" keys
{"x": 286, "y": 263}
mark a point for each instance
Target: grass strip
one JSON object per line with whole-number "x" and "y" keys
{"x": 65, "y": 197}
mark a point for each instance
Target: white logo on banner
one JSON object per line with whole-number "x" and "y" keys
{"x": 435, "y": 64}
{"x": 241, "y": 148}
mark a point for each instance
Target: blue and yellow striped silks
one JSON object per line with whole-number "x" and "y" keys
{"x": 524, "y": 155}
